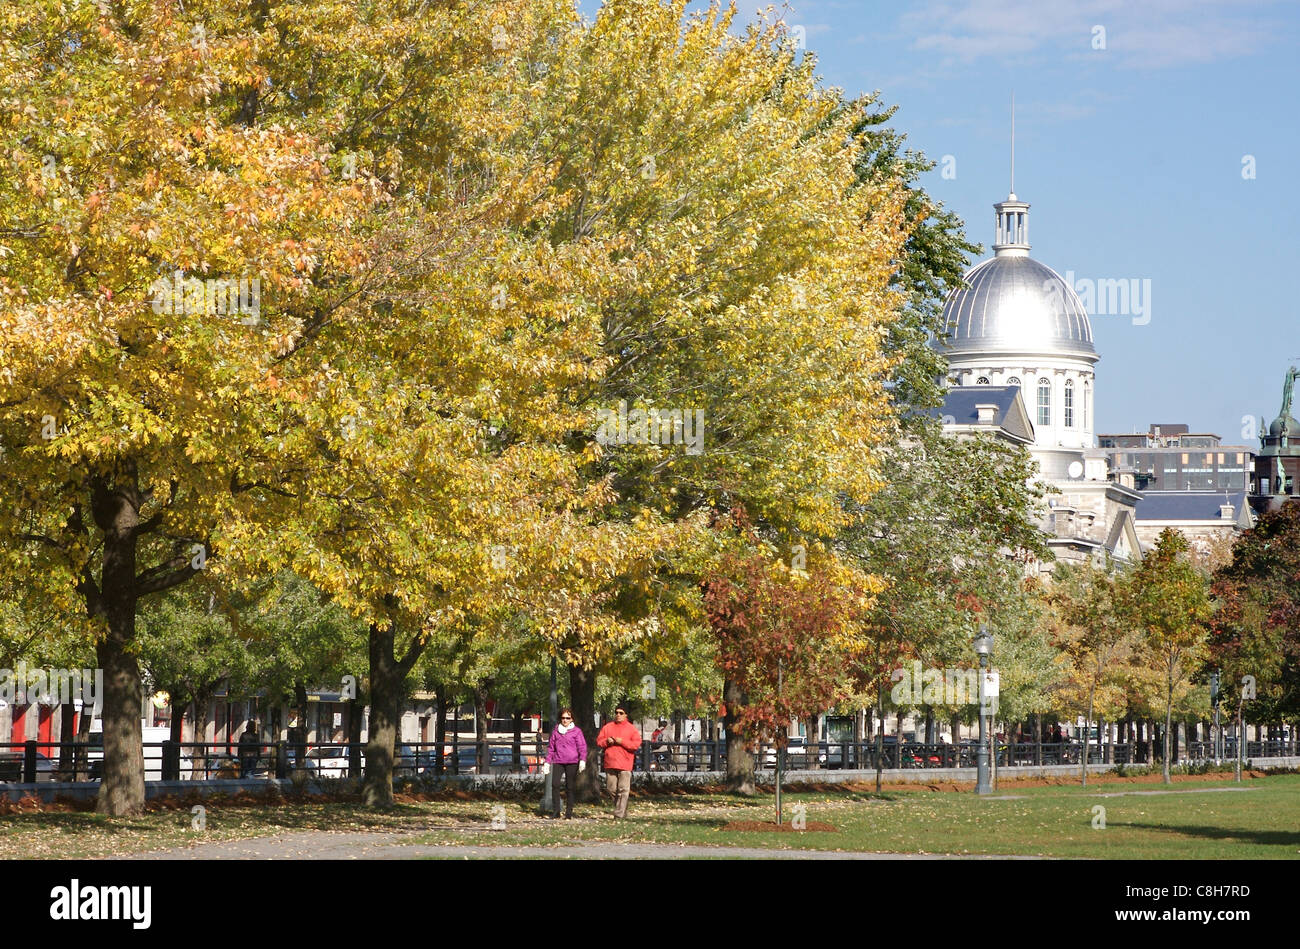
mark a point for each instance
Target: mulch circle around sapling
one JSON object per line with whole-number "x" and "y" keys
{"x": 773, "y": 827}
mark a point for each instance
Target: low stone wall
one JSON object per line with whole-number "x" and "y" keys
{"x": 89, "y": 790}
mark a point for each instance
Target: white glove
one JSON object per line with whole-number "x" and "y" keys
{"x": 546, "y": 768}
{"x": 582, "y": 766}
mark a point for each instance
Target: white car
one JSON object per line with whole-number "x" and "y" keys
{"x": 327, "y": 761}
{"x": 151, "y": 737}
{"x": 796, "y": 754}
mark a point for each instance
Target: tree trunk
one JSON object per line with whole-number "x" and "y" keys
{"x": 482, "y": 754}
{"x": 385, "y": 701}
{"x": 517, "y": 742}
{"x": 740, "y": 765}
{"x": 440, "y": 733}
{"x": 812, "y": 744}
{"x": 387, "y": 689}
{"x": 199, "y": 755}
{"x": 81, "y": 765}
{"x": 176, "y": 729}
{"x": 1169, "y": 716}
{"x": 582, "y": 698}
{"x": 880, "y": 738}
{"x": 1087, "y": 736}
{"x": 298, "y": 734}
{"x": 67, "y": 724}
{"x": 116, "y": 513}
{"x": 354, "y": 738}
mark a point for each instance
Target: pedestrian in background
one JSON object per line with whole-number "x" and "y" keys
{"x": 250, "y": 746}
{"x": 566, "y": 755}
{"x": 620, "y": 739}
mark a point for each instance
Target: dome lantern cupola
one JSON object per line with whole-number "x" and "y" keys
{"x": 1012, "y": 237}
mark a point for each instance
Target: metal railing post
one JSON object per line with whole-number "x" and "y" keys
{"x": 29, "y": 762}
{"x": 281, "y": 760}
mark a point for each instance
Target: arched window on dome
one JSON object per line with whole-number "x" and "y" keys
{"x": 1044, "y": 402}
{"x": 1069, "y": 403}
{"x": 982, "y": 381}
{"x": 1013, "y": 381}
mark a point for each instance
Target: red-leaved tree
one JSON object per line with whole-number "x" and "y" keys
{"x": 781, "y": 650}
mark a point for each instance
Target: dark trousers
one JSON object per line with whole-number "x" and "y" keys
{"x": 570, "y": 772}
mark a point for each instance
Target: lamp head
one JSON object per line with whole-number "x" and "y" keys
{"x": 984, "y": 641}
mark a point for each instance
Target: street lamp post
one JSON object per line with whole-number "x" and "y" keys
{"x": 548, "y": 805}
{"x": 983, "y": 646}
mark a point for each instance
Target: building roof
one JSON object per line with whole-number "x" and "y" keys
{"x": 960, "y": 407}
{"x": 1190, "y": 505}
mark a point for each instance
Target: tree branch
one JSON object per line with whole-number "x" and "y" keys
{"x": 165, "y": 575}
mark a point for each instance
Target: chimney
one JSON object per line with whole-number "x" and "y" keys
{"x": 1226, "y": 511}
{"x": 986, "y": 414}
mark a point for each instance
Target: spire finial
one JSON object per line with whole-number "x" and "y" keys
{"x": 1013, "y": 142}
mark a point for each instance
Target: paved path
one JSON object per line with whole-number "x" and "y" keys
{"x": 323, "y": 845}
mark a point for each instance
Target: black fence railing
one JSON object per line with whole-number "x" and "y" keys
{"x": 36, "y": 761}
{"x": 711, "y": 756}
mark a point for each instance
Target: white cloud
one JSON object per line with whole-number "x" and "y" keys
{"x": 1152, "y": 34}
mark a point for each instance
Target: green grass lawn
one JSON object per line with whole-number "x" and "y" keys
{"x": 1263, "y": 820}
{"x": 1260, "y": 820}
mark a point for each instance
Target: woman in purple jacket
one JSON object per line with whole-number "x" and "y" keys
{"x": 566, "y": 755}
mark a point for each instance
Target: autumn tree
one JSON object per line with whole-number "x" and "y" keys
{"x": 1093, "y": 634}
{"x": 783, "y": 639}
{"x": 949, "y": 535}
{"x": 139, "y": 348}
{"x": 42, "y": 637}
{"x": 1255, "y": 629}
{"x": 1169, "y": 603}
{"x": 748, "y": 296}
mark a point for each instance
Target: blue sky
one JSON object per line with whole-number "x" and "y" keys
{"x": 1132, "y": 159}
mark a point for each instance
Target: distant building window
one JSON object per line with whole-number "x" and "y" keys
{"x": 1069, "y": 403}
{"x": 982, "y": 381}
{"x": 1044, "y": 402}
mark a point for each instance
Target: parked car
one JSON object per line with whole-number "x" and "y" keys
{"x": 796, "y": 754}
{"x": 11, "y": 767}
{"x": 500, "y": 760}
{"x": 151, "y": 739}
{"x": 327, "y": 761}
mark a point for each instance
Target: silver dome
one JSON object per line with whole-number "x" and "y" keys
{"x": 1015, "y": 304}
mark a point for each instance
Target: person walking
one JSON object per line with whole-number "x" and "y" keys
{"x": 250, "y": 747}
{"x": 659, "y": 746}
{"x": 566, "y": 755}
{"x": 620, "y": 739}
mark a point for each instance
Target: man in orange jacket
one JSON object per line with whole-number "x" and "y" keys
{"x": 620, "y": 739}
